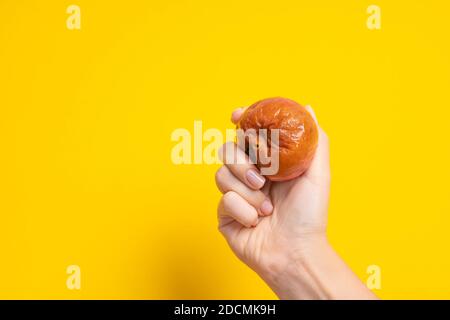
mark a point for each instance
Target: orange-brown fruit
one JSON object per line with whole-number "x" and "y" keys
{"x": 298, "y": 134}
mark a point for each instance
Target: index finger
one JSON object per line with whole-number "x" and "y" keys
{"x": 236, "y": 115}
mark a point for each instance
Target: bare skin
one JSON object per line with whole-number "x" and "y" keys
{"x": 279, "y": 228}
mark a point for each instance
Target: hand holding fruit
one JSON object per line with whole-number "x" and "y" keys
{"x": 268, "y": 223}
{"x": 278, "y": 227}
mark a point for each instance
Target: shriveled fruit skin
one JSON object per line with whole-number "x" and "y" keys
{"x": 298, "y": 133}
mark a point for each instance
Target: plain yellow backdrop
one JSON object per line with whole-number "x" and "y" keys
{"x": 86, "y": 116}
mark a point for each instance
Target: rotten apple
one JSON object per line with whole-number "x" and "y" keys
{"x": 297, "y": 134}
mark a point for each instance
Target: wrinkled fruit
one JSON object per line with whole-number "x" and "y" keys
{"x": 298, "y": 134}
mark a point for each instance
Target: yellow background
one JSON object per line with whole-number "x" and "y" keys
{"x": 86, "y": 116}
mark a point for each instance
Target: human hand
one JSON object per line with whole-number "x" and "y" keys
{"x": 270, "y": 224}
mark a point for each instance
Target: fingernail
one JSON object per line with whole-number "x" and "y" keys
{"x": 266, "y": 207}
{"x": 255, "y": 179}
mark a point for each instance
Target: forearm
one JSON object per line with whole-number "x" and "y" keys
{"x": 317, "y": 272}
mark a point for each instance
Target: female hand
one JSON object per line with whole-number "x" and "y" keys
{"x": 279, "y": 228}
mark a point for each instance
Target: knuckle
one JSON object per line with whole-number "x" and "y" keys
{"x": 221, "y": 178}
{"x": 227, "y": 199}
{"x": 225, "y": 149}
{"x": 220, "y": 175}
{"x": 220, "y": 152}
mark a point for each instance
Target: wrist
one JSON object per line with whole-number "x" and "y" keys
{"x": 315, "y": 271}
{"x": 291, "y": 273}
